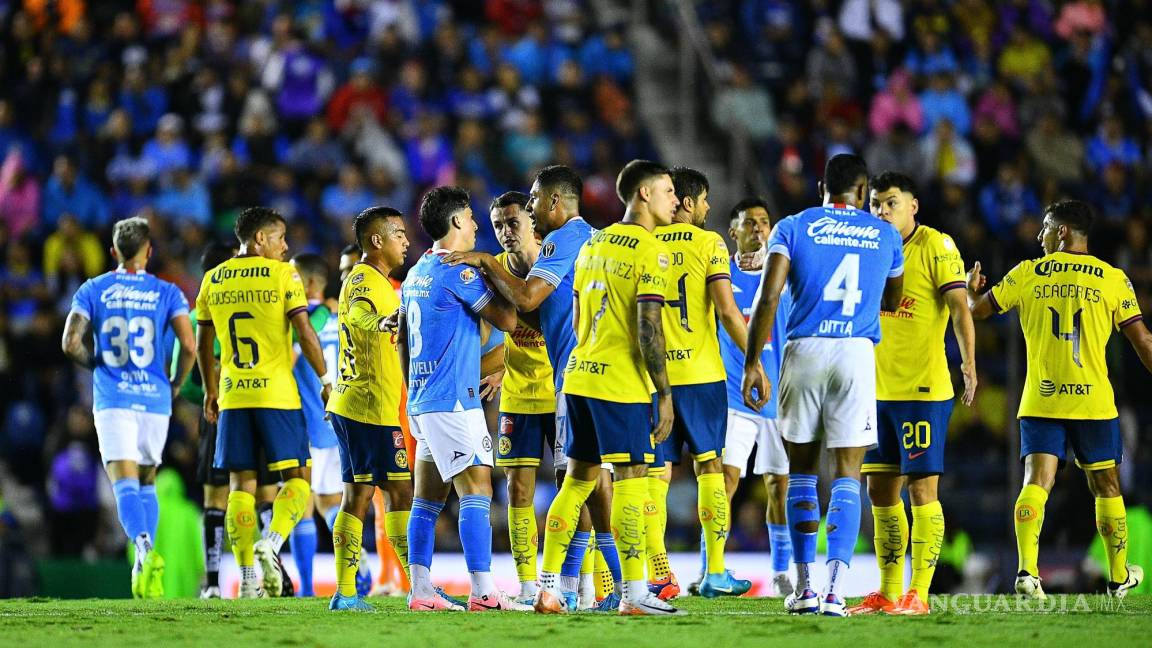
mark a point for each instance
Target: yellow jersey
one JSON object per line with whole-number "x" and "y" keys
{"x": 368, "y": 376}
{"x": 620, "y": 266}
{"x": 1069, "y": 305}
{"x": 527, "y": 387}
{"x": 910, "y": 360}
{"x": 250, "y": 300}
{"x": 697, "y": 257}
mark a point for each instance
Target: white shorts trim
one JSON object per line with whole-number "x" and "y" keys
{"x": 454, "y": 441}
{"x": 828, "y": 392}
{"x": 771, "y": 457}
{"x": 747, "y": 430}
{"x": 128, "y": 435}
{"x": 327, "y": 479}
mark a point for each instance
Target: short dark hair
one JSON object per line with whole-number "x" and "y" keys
{"x": 1076, "y": 214}
{"x": 365, "y": 219}
{"x": 561, "y": 177}
{"x": 748, "y": 203}
{"x": 312, "y": 265}
{"x": 439, "y": 206}
{"x": 129, "y": 236}
{"x": 634, "y": 174}
{"x": 893, "y": 179}
{"x": 254, "y": 219}
{"x": 843, "y": 171}
{"x": 689, "y": 183}
{"x": 509, "y": 198}
{"x": 214, "y": 254}
{"x": 351, "y": 248}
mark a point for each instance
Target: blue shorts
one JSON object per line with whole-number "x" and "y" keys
{"x": 910, "y": 438}
{"x": 243, "y": 433}
{"x": 522, "y": 439}
{"x": 609, "y": 432}
{"x": 701, "y": 422}
{"x": 1096, "y": 443}
{"x": 370, "y": 454}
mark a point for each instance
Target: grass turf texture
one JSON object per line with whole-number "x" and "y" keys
{"x": 972, "y": 621}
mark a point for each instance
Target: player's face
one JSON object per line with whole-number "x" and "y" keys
{"x": 346, "y": 263}
{"x": 513, "y": 227}
{"x": 662, "y": 200}
{"x": 468, "y": 226}
{"x": 537, "y": 208}
{"x": 394, "y": 241}
{"x": 752, "y": 229}
{"x": 700, "y": 209}
{"x": 894, "y": 206}
{"x": 1049, "y": 236}
{"x": 275, "y": 243}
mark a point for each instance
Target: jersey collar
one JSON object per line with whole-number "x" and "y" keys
{"x": 915, "y": 228}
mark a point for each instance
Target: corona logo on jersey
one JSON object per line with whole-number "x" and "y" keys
{"x": 1047, "y": 267}
{"x": 224, "y": 273}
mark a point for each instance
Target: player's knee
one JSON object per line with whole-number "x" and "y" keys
{"x": 776, "y": 485}
{"x": 883, "y": 489}
{"x": 1104, "y": 483}
{"x": 923, "y": 490}
{"x": 357, "y": 499}
{"x": 630, "y": 471}
{"x": 399, "y": 494}
{"x": 520, "y": 490}
{"x": 713, "y": 465}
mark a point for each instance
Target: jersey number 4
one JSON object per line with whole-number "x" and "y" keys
{"x": 844, "y": 285}
{"x": 141, "y": 349}
{"x": 1073, "y": 337}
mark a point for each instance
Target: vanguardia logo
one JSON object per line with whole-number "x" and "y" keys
{"x": 1012, "y": 604}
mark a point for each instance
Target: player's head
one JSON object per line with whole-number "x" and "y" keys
{"x": 1066, "y": 225}
{"x": 893, "y": 199}
{"x": 555, "y": 195}
{"x": 214, "y": 254}
{"x": 446, "y": 213}
{"x": 512, "y": 222}
{"x": 648, "y": 185}
{"x": 749, "y": 224}
{"x": 348, "y": 258}
{"x": 130, "y": 240}
{"x": 262, "y": 231}
{"x": 381, "y": 234}
{"x": 692, "y": 192}
{"x": 846, "y": 178}
{"x": 313, "y": 271}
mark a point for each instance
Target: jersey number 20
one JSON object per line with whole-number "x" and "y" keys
{"x": 844, "y": 285}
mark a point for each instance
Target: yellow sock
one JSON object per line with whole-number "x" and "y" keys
{"x": 605, "y": 584}
{"x": 396, "y": 526}
{"x": 289, "y": 507}
{"x": 525, "y": 541}
{"x": 927, "y": 539}
{"x": 712, "y": 505}
{"x": 1029, "y": 516}
{"x": 890, "y": 538}
{"x": 240, "y": 518}
{"x": 563, "y": 515}
{"x": 655, "y": 512}
{"x": 347, "y": 535}
{"x": 628, "y": 497}
{"x": 1112, "y": 524}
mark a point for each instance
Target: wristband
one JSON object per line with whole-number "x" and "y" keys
{"x": 326, "y": 380}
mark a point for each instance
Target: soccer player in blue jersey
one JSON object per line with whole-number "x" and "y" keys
{"x": 439, "y": 342}
{"x": 749, "y": 227}
{"x": 129, "y": 313}
{"x": 842, "y": 265}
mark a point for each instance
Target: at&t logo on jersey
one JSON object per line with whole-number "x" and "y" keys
{"x": 1049, "y": 388}
{"x": 830, "y": 231}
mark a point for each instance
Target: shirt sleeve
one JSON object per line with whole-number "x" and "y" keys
{"x": 293, "y": 288}
{"x": 947, "y": 266}
{"x": 557, "y": 257}
{"x": 177, "y": 302}
{"x": 1006, "y": 295}
{"x": 1127, "y": 308}
{"x": 82, "y": 301}
{"x": 652, "y": 282}
{"x": 469, "y": 287}
{"x": 203, "y": 311}
{"x": 780, "y": 241}
{"x": 718, "y": 266}
{"x": 897, "y": 267}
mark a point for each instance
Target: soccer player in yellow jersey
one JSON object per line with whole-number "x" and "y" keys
{"x": 1069, "y": 303}
{"x": 914, "y": 400}
{"x": 251, "y": 302}
{"x": 618, "y": 362}
{"x": 365, "y": 404}
{"x": 700, "y": 291}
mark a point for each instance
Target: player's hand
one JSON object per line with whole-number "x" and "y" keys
{"x": 391, "y": 324}
{"x": 968, "y": 370}
{"x": 663, "y": 427}
{"x": 490, "y": 385}
{"x": 325, "y": 392}
{"x": 175, "y": 391}
{"x": 474, "y": 259}
{"x": 755, "y": 380}
{"x": 976, "y": 280}
{"x": 211, "y": 408}
{"x": 751, "y": 261}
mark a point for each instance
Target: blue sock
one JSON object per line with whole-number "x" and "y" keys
{"x": 607, "y": 545}
{"x": 422, "y": 531}
{"x": 575, "y": 556}
{"x": 803, "y": 506}
{"x": 781, "y": 546}
{"x": 303, "y": 545}
{"x": 151, "y": 508}
{"x": 843, "y": 519}
{"x": 703, "y": 555}
{"x": 476, "y": 532}
{"x": 129, "y": 507}
{"x": 330, "y": 516}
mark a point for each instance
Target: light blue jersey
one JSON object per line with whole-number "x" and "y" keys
{"x": 441, "y": 303}
{"x": 320, "y": 432}
{"x": 841, "y": 259}
{"x": 131, "y": 314}
{"x": 745, "y": 285}
{"x": 556, "y": 265}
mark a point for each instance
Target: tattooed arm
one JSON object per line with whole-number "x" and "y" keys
{"x": 652, "y": 348}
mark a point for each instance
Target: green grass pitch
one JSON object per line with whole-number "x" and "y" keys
{"x": 1085, "y": 621}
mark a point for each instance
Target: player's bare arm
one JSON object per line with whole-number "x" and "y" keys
{"x": 313, "y": 353}
{"x": 759, "y": 328}
{"x": 652, "y": 347}
{"x": 893, "y": 293}
{"x": 980, "y": 305}
{"x": 206, "y": 359}
{"x": 75, "y": 332}
{"x": 525, "y": 294}
{"x": 1141, "y": 340}
{"x": 966, "y": 337}
{"x": 402, "y": 343}
{"x": 182, "y": 326}
{"x": 491, "y": 364}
